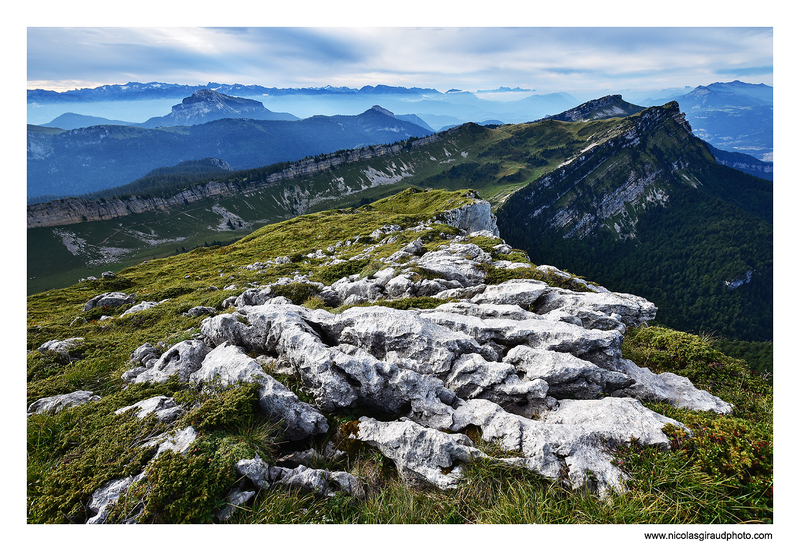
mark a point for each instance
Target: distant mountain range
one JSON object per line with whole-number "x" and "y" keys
{"x": 85, "y": 160}
{"x": 732, "y": 116}
{"x": 201, "y": 107}
{"x": 438, "y": 109}
{"x": 160, "y": 90}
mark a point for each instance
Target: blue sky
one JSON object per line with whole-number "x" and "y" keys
{"x": 468, "y": 57}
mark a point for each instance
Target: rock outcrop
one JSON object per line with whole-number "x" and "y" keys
{"x": 537, "y": 369}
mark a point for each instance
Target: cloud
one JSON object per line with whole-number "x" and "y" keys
{"x": 470, "y": 58}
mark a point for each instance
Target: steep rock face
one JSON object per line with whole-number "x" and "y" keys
{"x": 63, "y": 212}
{"x": 603, "y": 188}
{"x": 473, "y": 218}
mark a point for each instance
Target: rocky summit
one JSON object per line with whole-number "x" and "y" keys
{"x": 446, "y": 334}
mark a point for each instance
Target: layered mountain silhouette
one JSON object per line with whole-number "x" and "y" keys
{"x": 86, "y": 160}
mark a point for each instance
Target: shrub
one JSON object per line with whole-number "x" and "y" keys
{"x": 184, "y": 488}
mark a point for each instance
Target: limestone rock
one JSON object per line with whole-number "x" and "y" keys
{"x": 256, "y": 470}
{"x": 475, "y": 217}
{"x": 60, "y": 348}
{"x": 670, "y": 388}
{"x": 145, "y": 355}
{"x": 575, "y": 438}
{"x": 54, "y": 404}
{"x": 144, "y": 305}
{"x": 200, "y": 311}
{"x": 107, "y": 495}
{"x": 178, "y": 442}
{"x": 234, "y": 499}
{"x": 531, "y": 365}
{"x": 319, "y": 481}
{"x": 567, "y": 375}
{"x": 165, "y": 409}
{"x": 598, "y": 310}
{"x": 182, "y": 360}
{"x": 520, "y": 292}
{"x": 114, "y": 298}
{"x": 422, "y": 455}
{"x": 457, "y": 263}
{"x": 473, "y": 377}
{"x": 228, "y": 364}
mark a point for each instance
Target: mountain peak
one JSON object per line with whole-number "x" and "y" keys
{"x": 206, "y": 105}
{"x": 380, "y": 109}
{"x": 601, "y": 108}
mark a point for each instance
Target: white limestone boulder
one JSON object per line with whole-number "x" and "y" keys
{"x": 54, "y": 404}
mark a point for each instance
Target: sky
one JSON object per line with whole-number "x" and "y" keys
{"x": 468, "y": 58}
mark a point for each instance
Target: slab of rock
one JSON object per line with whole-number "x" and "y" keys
{"x": 200, "y": 311}
{"x": 145, "y": 355}
{"x": 566, "y": 374}
{"x": 60, "y": 348}
{"x": 256, "y": 470}
{"x": 54, "y": 404}
{"x": 599, "y": 347}
{"x": 182, "y": 360}
{"x": 228, "y": 364}
{"x": 519, "y": 292}
{"x": 576, "y": 438}
{"x": 178, "y": 442}
{"x": 107, "y": 495}
{"x": 422, "y": 455}
{"x": 473, "y": 377}
{"x": 670, "y": 388}
{"x": 320, "y": 481}
{"x": 457, "y": 263}
{"x": 235, "y": 499}
{"x": 144, "y": 305}
{"x": 114, "y": 298}
{"x": 597, "y": 310}
{"x": 165, "y": 409}
{"x": 474, "y": 217}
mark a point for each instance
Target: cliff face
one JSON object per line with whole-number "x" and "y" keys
{"x": 73, "y": 211}
{"x": 612, "y": 179}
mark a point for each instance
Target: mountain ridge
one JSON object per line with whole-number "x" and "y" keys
{"x": 651, "y": 211}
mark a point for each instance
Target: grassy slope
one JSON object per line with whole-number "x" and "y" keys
{"x": 724, "y": 475}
